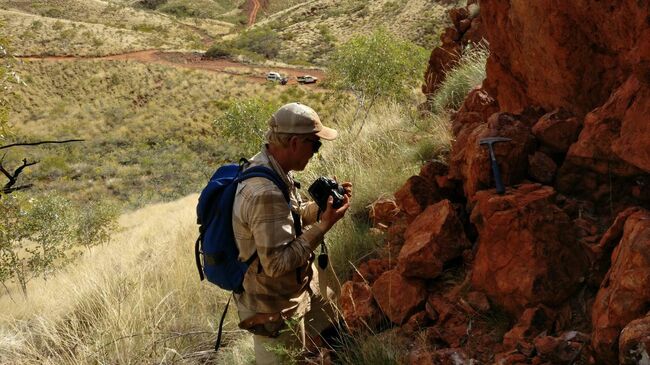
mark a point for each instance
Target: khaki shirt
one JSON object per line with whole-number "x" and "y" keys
{"x": 278, "y": 279}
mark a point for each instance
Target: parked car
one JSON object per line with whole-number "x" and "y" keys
{"x": 307, "y": 79}
{"x": 276, "y": 77}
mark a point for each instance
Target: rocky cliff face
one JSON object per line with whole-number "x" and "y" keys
{"x": 557, "y": 268}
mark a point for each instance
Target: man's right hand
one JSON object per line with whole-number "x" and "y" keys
{"x": 331, "y": 215}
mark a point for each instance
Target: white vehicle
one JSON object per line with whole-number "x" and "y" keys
{"x": 307, "y": 79}
{"x": 276, "y": 77}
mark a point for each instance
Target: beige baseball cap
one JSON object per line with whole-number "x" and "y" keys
{"x": 298, "y": 118}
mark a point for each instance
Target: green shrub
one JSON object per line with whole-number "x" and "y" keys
{"x": 244, "y": 124}
{"x": 218, "y": 50}
{"x": 260, "y": 40}
{"x": 38, "y": 234}
{"x": 151, "y": 4}
{"x": 377, "y": 66}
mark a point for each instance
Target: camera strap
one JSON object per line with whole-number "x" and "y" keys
{"x": 323, "y": 258}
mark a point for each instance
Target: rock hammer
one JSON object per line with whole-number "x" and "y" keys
{"x": 493, "y": 160}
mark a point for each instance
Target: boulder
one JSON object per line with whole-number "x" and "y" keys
{"x": 432, "y": 169}
{"x": 358, "y": 306}
{"x": 531, "y": 323}
{"x": 541, "y": 167}
{"x": 610, "y": 161}
{"x": 451, "y": 322}
{"x": 415, "y": 195}
{"x": 527, "y": 250}
{"x": 432, "y": 239}
{"x": 470, "y": 161}
{"x": 383, "y": 212}
{"x": 561, "y": 350}
{"x": 398, "y": 297}
{"x": 602, "y": 252}
{"x": 556, "y": 131}
{"x": 624, "y": 294}
{"x": 634, "y": 343}
{"x": 370, "y": 270}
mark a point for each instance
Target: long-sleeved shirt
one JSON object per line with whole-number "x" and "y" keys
{"x": 278, "y": 279}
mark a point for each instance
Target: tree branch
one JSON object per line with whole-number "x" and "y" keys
{"x": 39, "y": 143}
{"x": 8, "y": 188}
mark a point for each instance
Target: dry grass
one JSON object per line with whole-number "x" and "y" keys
{"x": 137, "y": 300}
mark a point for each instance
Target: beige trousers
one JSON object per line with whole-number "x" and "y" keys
{"x": 301, "y": 332}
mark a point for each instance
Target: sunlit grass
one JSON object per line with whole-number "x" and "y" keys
{"x": 135, "y": 300}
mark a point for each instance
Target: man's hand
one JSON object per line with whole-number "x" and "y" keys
{"x": 331, "y": 215}
{"x": 347, "y": 186}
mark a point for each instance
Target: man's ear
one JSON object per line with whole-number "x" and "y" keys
{"x": 293, "y": 142}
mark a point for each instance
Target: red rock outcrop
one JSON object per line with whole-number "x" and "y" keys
{"x": 527, "y": 251}
{"x": 467, "y": 28}
{"x": 397, "y": 296}
{"x": 569, "y": 84}
{"x": 433, "y": 238}
{"x": 563, "y": 54}
{"x": 624, "y": 295}
{"x": 358, "y": 306}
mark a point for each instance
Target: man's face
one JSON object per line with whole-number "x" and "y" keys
{"x": 305, "y": 147}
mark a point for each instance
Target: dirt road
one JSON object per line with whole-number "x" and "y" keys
{"x": 255, "y": 73}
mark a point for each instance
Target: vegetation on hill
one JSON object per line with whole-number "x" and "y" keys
{"x": 310, "y": 31}
{"x": 89, "y": 28}
{"x": 147, "y": 305}
{"x": 148, "y": 129}
{"x": 155, "y": 133}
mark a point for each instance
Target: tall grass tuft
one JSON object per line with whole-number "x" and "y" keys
{"x": 469, "y": 72}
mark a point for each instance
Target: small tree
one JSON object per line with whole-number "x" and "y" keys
{"x": 377, "y": 66}
{"x": 244, "y": 124}
{"x": 263, "y": 41}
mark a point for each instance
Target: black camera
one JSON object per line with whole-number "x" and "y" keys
{"x": 325, "y": 187}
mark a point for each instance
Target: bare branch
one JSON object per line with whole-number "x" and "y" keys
{"x": 9, "y": 186}
{"x": 39, "y": 143}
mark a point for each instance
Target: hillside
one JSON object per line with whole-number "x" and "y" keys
{"x": 307, "y": 30}
{"x": 90, "y": 28}
{"x": 311, "y": 29}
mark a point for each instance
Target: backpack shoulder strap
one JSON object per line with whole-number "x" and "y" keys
{"x": 265, "y": 172}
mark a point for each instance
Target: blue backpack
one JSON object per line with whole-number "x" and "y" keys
{"x": 216, "y": 241}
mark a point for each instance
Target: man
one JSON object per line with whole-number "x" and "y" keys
{"x": 281, "y": 302}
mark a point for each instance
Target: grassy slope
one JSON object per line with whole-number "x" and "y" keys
{"x": 310, "y": 30}
{"x": 148, "y": 128}
{"x": 146, "y": 303}
{"x": 96, "y": 27}
{"x": 135, "y": 300}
